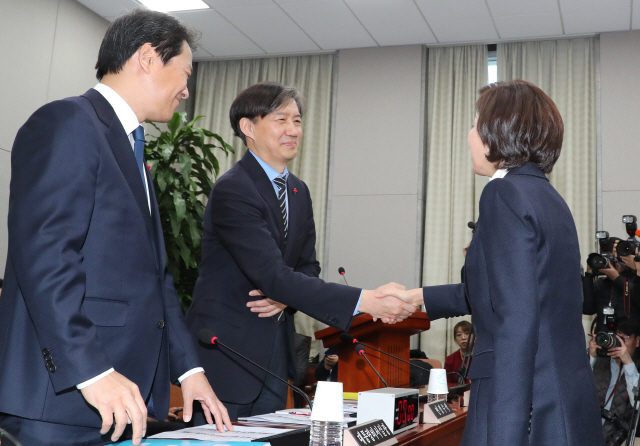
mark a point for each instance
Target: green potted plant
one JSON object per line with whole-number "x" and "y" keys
{"x": 182, "y": 163}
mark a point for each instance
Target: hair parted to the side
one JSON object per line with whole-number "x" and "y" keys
{"x": 129, "y": 32}
{"x": 464, "y": 326}
{"x": 259, "y": 100}
{"x": 519, "y": 123}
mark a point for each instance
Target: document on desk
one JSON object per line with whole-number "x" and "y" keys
{"x": 292, "y": 417}
{"x": 210, "y": 433}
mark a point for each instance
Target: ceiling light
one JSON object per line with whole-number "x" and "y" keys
{"x": 174, "y": 5}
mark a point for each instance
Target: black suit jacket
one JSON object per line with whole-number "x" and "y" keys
{"x": 243, "y": 249}
{"x": 524, "y": 290}
{"x": 86, "y": 285}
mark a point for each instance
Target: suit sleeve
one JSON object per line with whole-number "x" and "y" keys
{"x": 307, "y": 262}
{"x": 510, "y": 248}
{"x": 244, "y": 232}
{"x": 54, "y": 166}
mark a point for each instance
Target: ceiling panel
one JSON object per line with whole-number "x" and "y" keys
{"x": 270, "y": 28}
{"x": 451, "y": 10}
{"x": 522, "y": 7}
{"x": 330, "y": 23}
{"x": 235, "y": 3}
{"x": 111, "y": 8}
{"x": 580, "y": 6}
{"x": 219, "y": 37}
{"x": 527, "y": 26}
{"x": 392, "y": 22}
{"x": 479, "y": 29}
{"x": 593, "y": 21}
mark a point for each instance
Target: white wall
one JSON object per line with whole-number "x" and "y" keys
{"x": 620, "y": 121}
{"x": 51, "y": 47}
{"x": 376, "y": 167}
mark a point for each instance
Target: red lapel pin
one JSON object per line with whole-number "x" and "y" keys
{"x": 295, "y": 191}
{"x": 149, "y": 167}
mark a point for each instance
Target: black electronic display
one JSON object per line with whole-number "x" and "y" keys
{"x": 406, "y": 411}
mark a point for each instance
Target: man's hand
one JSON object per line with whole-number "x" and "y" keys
{"x": 264, "y": 307}
{"x": 620, "y": 352}
{"x": 197, "y": 387}
{"x": 593, "y": 347}
{"x": 387, "y": 307}
{"x": 330, "y": 361}
{"x": 610, "y": 272}
{"x": 116, "y": 397}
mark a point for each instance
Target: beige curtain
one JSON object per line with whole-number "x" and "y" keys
{"x": 455, "y": 74}
{"x": 565, "y": 70}
{"x": 217, "y": 85}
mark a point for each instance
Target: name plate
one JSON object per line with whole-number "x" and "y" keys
{"x": 438, "y": 412}
{"x": 371, "y": 433}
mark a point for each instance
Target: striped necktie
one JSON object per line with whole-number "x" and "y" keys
{"x": 282, "y": 201}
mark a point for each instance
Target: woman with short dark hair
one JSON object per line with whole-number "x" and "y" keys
{"x": 531, "y": 383}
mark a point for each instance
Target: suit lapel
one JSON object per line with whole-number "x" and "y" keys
{"x": 266, "y": 190}
{"x": 121, "y": 148}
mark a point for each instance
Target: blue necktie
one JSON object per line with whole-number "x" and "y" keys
{"x": 138, "y": 151}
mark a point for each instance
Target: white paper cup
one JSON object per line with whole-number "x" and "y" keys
{"x": 327, "y": 405}
{"x": 438, "y": 382}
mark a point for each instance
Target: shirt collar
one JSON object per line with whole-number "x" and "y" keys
{"x": 125, "y": 114}
{"x": 500, "y": 173}
{"x": 270, "y": 171}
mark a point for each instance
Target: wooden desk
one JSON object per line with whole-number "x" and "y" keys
{"x": 448, "y": 433}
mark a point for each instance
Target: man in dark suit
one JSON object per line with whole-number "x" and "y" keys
{"x": 92, "y": 332}
{"x": 259, "y": 240}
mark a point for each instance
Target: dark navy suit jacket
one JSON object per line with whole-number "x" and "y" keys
{"x": 86, "y": 286}
{"x": 243, "y": 249}
{"x": 524, "y": 291}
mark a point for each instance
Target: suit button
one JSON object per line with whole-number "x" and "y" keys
{"x": 52, "y": 368}
{"x": 45, "y": 352}
{"x": 161, "y": 325}
{"x": 48, "y": 358}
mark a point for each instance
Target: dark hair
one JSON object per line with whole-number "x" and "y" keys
{"x": 520, "y": 124}
{"x": 628, "y": 326}
{"x": 258, "y": 101}
{"x": 129, "y": 32}
{"x": 464, "y": 325}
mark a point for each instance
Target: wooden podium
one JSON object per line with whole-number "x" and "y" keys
{"x": 353, "y": 370}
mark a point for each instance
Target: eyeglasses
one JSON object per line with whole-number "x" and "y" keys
{"x": 624, "y": 336}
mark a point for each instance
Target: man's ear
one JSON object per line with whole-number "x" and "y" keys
{"x": 246, "y": 126}
{"x": 146, "y": 56}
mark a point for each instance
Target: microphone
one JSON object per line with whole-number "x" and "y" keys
{"x": 8, "y": 437}
{"x": 360, "y": 351}
{"x": 472, "y": 225}
{"x": 342, "y": 271}
{"x": 208, "y": 337}
{"x": 348, "y": 339}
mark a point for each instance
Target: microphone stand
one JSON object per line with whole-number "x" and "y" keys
{"x": 298, "y": 391}
{"x": 6, "y": 435}
{"x": 634, "y": 419}
{"x": 374, "y": 369}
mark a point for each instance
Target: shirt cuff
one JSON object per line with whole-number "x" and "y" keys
{"x": 630, "y": 370}
{"x": 592, "y": 361}
{"x": 190, "y": 372}
{"x": 358, "y": 304}
{"x": 92, "y": 380}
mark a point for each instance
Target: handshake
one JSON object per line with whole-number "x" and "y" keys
{"x": 392, "y": 302}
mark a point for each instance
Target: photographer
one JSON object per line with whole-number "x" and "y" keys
{"x": 616, "y": 287}
{"x": 615, "y": 375}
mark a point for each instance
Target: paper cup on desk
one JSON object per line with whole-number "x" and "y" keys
{"x": 438, "y": 382}
{"x": 327, "y": 405}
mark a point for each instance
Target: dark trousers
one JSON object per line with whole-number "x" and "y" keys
{"x": 273, "y": 395}
{"x": 41, "y": 433}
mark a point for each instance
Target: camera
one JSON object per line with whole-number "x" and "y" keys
{"x": 629, "y": 246}
{"x": 606, "y": 331}
{"x": 621, "y": 432}
{"x": 600, "y": 261}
